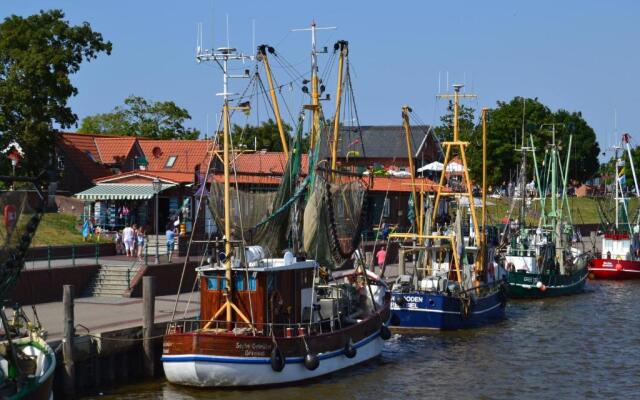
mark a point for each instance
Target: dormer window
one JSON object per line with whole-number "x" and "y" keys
{"x": 170, "y": 161}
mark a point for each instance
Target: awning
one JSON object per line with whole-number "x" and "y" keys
{"x": 120, "y": 191}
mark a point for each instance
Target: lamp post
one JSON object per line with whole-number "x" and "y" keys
{"x": 157, "y": 187}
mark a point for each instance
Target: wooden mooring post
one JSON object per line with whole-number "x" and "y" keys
{"x": 401, "y": 266}
{"x": 148, "y": 320}
{"x": 67, "y": 346}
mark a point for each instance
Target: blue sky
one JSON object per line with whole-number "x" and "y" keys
{"x": 577, "y": 55}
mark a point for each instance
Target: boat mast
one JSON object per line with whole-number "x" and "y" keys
{"x": 625, "y": 139}
{"x": 222, "y": 56}
{"x": 343, "y": 46}
{"x": 407, "y": 133}
{"x": 262, "y": 56}
{"x": 460, "y": 146}
{"x": 315, "y": 93}
{"x": 485, "y": 110}
{"x": 616, "y": 182}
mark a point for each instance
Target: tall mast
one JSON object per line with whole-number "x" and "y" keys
{"x": 460, "y": 146}
{"x": 262, "y": 56}
{"x": 343, "y": 47}
{"x": 616, "y": 181}
{"x": 315, "y": 93}
{"x": 407, "y": 133}
{"x": 222, "y": 56}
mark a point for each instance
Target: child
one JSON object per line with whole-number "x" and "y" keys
{"x": 171, "y": 237}
{"x": 140, "y": 239}
{"x": 119, "y": 243}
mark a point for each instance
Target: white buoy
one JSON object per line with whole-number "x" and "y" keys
{"x": 539, "y": 284}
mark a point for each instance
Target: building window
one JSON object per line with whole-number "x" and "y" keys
{"x": 170, "y": 161}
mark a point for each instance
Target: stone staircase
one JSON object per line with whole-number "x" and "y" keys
{"x": 113, "y": 280}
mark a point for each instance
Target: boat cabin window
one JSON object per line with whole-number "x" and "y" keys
{"x": 241, "y": 282}
{"x": 212, "y": 283}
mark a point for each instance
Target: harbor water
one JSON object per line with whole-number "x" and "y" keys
{"x": 579, "y": 347}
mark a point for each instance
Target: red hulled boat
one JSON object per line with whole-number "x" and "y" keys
{"x": 620, "y": 254}
{"x": 619, "y": 260}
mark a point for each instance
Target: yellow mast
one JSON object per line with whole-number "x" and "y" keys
{"x": 343, "y": 46}
{"x": 227, "y": 206}
{"x": 262, "y": 56}
{"x": 407, "y": 134}
{"x": 483, "y": 249}
{"x": 460, "y": 146}
{"x": 315, "y": 93}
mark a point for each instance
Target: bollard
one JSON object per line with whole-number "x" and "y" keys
{"x": 73, "y": 255}
{"x": 148, "y": 314}
{"x": 97, "y": 252}
{"x": 67, "y": 346}
{"x": 49, "y": 256}
{"x": 401, "y": 267}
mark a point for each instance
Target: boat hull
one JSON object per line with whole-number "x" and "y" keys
{"x": 222, "y": 359}
{"x": 614, "y": 269}
{"x": 211, "y": 371}
{"x": 524, "y": 285}
{"x": 428, "y": 311}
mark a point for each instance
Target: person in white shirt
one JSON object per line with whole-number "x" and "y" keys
{"x": 128, "y": 239}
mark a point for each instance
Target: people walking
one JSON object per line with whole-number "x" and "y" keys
{"x": 381, "y": 257}
{"x": 128, "y": 239}
{"x": 140, "y": 239}
{"x": 171, "y": 238}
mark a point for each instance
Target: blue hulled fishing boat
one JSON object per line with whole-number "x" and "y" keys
{"x": 455, "y": 282}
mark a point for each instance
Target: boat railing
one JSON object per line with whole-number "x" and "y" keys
{"x": 256, "y": 328}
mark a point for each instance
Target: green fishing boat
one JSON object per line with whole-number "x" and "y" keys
{"x": 546, "y": 260}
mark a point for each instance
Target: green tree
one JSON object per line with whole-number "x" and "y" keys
{"x": 37, "y": 55}
{"x": 143, "y": 118}
{"x": 265, "y": 136}
{"x": 505, "y": 135}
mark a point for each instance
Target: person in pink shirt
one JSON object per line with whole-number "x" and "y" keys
{"x": 381, "y": 256}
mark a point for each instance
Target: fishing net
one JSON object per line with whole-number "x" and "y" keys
{"x": 22, "y": 212}
{"x": 334, "y": 215}
{"x": 259, "y": 216}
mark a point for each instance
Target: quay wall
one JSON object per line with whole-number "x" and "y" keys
{"x": 167, "y": 278}
{"x": 44, "y": 285}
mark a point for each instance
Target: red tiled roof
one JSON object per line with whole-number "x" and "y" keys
{"x": 265, "y": 162}
{"x": 188, "y": 153}
{"x": 174, "y": 177}
{"x": 82, "y": 151}
{"x": 113, "y": 150}
{"x": 393, "y": 184}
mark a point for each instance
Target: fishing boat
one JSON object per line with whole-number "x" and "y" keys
{"x": 619, "y": 257}
{"x": 456, "y": 282}
{"x": 27, "y": 362}
{"x": 544, "y": 261}
{"x": 268, "y": 320}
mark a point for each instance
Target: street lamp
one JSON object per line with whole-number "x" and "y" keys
{"x": 157, "y": 187}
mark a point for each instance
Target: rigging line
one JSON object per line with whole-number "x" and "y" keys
{"x": 355, "y": 108}
{"x": 235, "y": 178}
{"x": 284, "y": 101}
{"x": 287, "y": 67}
{"x": 267, "y": 100}
{"x": 186, "y": 260}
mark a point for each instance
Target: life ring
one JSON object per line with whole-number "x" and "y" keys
{"x": 276, "y": 304}
{"x": 277, "y": 359}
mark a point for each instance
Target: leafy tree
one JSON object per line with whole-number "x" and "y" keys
{"x": 143, "y": 118}
{"x": 265, "y": 136}
{"x": 504, "y": 136}
{"x": 37, "y": 55}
